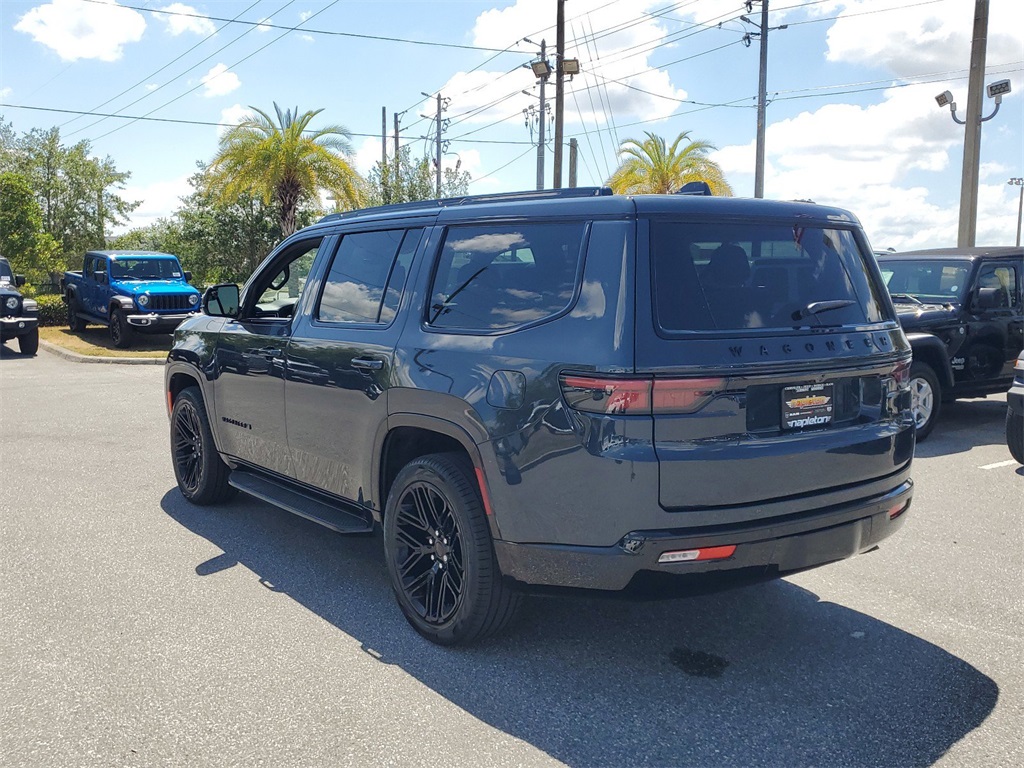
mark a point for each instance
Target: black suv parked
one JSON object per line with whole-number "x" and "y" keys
{"x": 19, "y": 317}
{"x": 558, "y": 389}
{"x": 963, "y": 312}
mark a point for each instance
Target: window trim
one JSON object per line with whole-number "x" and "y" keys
{"x": 425, "y": 325}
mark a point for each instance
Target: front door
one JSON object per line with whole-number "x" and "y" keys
{"x": 340, "y": 362}
{"x": 250, "y": 361}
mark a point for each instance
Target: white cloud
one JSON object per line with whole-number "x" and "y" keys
{"x": 367, "y": 154}
{"x": 75, "y": 30}
{"x": 306, "y": 38}
{"x": 262, "y": 26}
{"x": 233, "y": 115}
{"x": 305, "y": 15}
{"x": 5, "y": 92}
{"x": 159, "y": 200}
{"x": 151, "y": 86}
{"x": 194, "y": 22}
{"x": 219, "y": 81}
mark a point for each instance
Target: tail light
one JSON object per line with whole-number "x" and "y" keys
{"x": 638, "y": 397}
{"x": 901, "y": 374}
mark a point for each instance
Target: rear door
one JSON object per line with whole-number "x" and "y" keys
{"x": 772, "y": 351}
{"x": 340, "y": 360}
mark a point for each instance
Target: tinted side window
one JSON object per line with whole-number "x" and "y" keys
{"x": 503, "y": 276}
{"x": 1003, "y": 281}
{"x": 726, "y": 276}
{"x": 355, "y": 285}
{"x": 400, "y": 270}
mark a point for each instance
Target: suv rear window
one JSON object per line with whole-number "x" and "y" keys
{"x": 504, "y": 276}
{"x": 725, "y": 276}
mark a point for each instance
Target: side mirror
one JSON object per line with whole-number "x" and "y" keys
{"x": 221, "y": 300}
{"x": 188, "y": 276}
{"x": 988, "y": 298}
{"x": 19, "y": 280}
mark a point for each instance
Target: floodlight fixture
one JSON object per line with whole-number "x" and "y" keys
{"x": 541, "y": 69}
{"x": 570, "y": 67}
{"x": 998, "y": 89}
{"x": 945, "y": 98}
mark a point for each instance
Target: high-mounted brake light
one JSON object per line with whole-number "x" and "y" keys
{"x": 638, "y": 397}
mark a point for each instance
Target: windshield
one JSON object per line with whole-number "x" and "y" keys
{"x": 727, "y": 276}
{"x": 144, "y": 269}
{"x": 939, "y": 280}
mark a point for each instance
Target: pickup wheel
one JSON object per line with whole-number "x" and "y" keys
{"x": 925, "y": 398}
{"x": 75, "y": 323}
{"x": 1015, "y": 434}
{"x": 120, "y": 332}
{"x": 439, "y": 553}
{"x": 201, "y": 474}
{"x": 29, "y": 343}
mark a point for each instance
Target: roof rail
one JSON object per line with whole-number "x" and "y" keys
{"x": 500, "y": 197}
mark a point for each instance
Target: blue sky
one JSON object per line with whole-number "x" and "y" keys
{"x": 852, "y": 119}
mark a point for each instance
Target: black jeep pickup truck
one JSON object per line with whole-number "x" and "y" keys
{"x": 963, "y": 312}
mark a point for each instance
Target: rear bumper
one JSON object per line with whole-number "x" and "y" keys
{"x": 12, "y": 327}
{"x": 158, "y": 323}
{"x": 763, "y": 550}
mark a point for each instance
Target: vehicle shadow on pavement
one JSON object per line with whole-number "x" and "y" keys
{"x": 966, "y": 424}
{"x": 9, "y": 350}
{"x": 761, "y": 676}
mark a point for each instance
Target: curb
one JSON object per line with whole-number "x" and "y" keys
{"x": 53, "y": 349}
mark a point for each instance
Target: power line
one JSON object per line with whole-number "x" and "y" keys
{"x": 506, "y": 165}
{"x": 268, "y": 25}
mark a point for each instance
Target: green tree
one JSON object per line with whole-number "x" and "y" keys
{"x": 77, "y": 194}
{"x": 30, "y": 250}
{"x": 284, "y": 163}
{"x": 413, "y": 180}
{"x": 650, "y": 167}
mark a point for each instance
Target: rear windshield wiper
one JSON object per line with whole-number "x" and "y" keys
{"x": 816, "y": 307}
{"x": 906, "y": 298}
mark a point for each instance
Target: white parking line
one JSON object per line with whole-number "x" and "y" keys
{"x": 998, "y": 464}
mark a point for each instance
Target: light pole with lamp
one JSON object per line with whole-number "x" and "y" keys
{"x": 1018, "y": 182}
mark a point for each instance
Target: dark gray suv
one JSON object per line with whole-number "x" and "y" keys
{"x": 558, "y": 390}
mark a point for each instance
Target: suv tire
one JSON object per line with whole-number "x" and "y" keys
{"x": 439, "y": 553}
{"x": 925, "y": 398}
{"x": 1015, "y": 434}
{"x": 29, "y": 343}
{"x": 201, "y": 474}
{"x": 75, "y": 323}
{"x": 120, "y": 332}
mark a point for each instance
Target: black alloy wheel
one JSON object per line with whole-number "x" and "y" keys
{"x": 439, "y": 553}
{"x": 201, "y": 474}
{"x": 120, "y": 331}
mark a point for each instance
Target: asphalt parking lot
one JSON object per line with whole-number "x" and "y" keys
{"x": 136, "y": 629}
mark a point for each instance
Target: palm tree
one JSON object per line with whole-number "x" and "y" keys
{"x": 651, "y": 168}
{"x": 284, "y": 163}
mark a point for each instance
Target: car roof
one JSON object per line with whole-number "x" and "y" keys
{"x": 1002, "y": 252}
{"x": 118, "y": 254}
{"x": 590, "y": 202}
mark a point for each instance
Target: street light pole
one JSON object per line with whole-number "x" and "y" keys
{"x": 1019, "y": 182}
{"x": 556, "y": 175}
{"x": 972, "y": 134}
{"x": 762, "y": 85}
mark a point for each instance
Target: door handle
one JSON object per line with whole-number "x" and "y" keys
{"x": 267, "y": 352}
{"x": 368, "y": 363}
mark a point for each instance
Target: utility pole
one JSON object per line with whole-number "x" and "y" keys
{"x": 762, "y": 86}
{"x": 542, "y": 120}
{"x": 972, "y": 132}
{"x": 556, "y": 174}
{"x": 384, "y": 154}
{"x": 438, "y": 144}
{"x": 574, "y": 149}
{"x": 1017, "y": 181}
{"x": 396, "y": 180}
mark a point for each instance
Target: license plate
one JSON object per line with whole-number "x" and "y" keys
{"x": 807, "y": 405}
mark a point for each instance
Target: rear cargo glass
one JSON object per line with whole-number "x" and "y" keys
{"x": 726, "y": 276}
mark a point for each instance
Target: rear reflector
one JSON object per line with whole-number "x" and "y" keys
{"x": 898, "y": 510}
{"x": 638, "y": 397}
{"x": 706, "y": 553}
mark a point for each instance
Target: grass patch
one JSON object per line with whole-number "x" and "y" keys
{"x": 95, "y": 342}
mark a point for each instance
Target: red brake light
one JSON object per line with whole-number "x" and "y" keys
{"x": 684, "y": 395}
{"x": 901, "y": 374}
{"x": 638, "y": 397}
